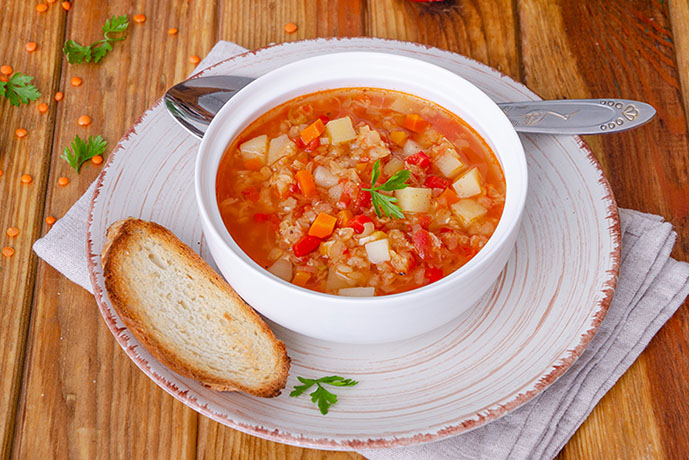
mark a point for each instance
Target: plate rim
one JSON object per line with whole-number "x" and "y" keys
{"x": 563, "y": 362}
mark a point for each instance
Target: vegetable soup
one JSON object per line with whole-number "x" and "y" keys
{"x": 360, "y": 191}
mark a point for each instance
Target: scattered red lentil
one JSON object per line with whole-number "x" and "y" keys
{"x": 43, "y": 107}
{"x": 4, "y": 78}
{"x": 51, "y": 1}
{"x": 194, "y": 59}
{"x": 31, "y": 47}
{"x": 172, "y": 31}
{"x": 66, "y": 6}
{"x": 84, "y": 120}
{"x": 290, "y": 27}
{"x": 6, "y": 69}
{"x": 96, "y": 160}
{"x": 62, "y": 181}
{"x": 7, "y": 251}
{"x": 59, "y": 95}
{"x": 0, "y": 172}
{"x": 42, "y": 7}
{"x": 50, "y": 220}
{"x": 21, "y": 132}
{"x": 12, "y": 232}
{"x": 26, "y": 179}
{"x": 139, "y": 18}
{"x": 76, "y": 81}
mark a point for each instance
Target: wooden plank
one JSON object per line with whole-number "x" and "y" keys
{"x": 22, "y": 205}
{"x": 82, "y": 396}
{"x": 679, "y": 19}
{"x": 569, "y": 50}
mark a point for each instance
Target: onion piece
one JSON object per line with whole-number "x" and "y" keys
{"x": 282, "y": 268}
{"x": 357, "y": 292}
{"x": 378, "y": 251}
{"x": 323, "y": 177}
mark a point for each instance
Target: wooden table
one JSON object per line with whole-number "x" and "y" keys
{"x": 66, "y": 388}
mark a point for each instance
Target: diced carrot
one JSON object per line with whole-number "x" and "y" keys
{"x": 449, "y": 196}
{"x": 301, "y": 278}
{"x": 323, "y": 225}
{"x": 313, "y": 131}
{"x": 306, "y": 183}
{"x": 31, "y": 47}
{"x": 253, "y": 164}
{"x": 343, "y": 217}
{"x": 399, "y": 137}
{"x": 361, "y": 166}
{"x": 414, "y": 122}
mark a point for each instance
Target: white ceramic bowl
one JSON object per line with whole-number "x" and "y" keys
{"x": 370, "y": 319}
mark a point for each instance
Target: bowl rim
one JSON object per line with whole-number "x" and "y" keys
{"x": 209, "y": 209}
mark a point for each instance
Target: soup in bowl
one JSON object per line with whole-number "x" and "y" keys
{"x": 361, "y": 197}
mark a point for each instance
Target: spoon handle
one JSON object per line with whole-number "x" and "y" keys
{"x": 577, "y": 116}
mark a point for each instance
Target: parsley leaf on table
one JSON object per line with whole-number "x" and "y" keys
{"x": 385, "y": 204}
{"x": 19, "y": 89}
{"x": 320, "y": 395}
{"x": 83, "y": 150}
{"x": 77, "y": 54}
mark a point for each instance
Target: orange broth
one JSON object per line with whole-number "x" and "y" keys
{"x": 269, "y": 206}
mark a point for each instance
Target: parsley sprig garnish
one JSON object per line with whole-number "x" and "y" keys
{"x": 385, "y": 204}
{"x": 320, "y": 395}
{"x": 19, "y": 89}
{"x": 76, "y": 53}
{"x": 83, "y": 150}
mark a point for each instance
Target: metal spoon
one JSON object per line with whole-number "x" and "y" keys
{"x": 194, "y": 103}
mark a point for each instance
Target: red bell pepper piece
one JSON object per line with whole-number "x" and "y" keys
{"x": 419, "y": 159}
{"x": 357, "y": 222}
{"x": 306, "y": 245}
{"x": 422, "y": 243}
{"x": 436, "y": 182}
{"x": 363, "y": 199}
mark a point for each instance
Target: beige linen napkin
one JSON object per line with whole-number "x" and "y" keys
{"x": 650, "y": 288}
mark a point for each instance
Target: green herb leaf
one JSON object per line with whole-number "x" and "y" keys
{"x": 77, "y": 54}
{"x": 385, "y": 204}
{"x": 320, "y": 395}
{"x": 83, "y": 151}
{"x": 19, "y": 89}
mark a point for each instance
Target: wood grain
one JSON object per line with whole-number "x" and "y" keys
{"x": 70, "y": 392}
{"x": 22, "y": 205}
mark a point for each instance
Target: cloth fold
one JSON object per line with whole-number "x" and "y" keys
{"x": 651, "y": 286}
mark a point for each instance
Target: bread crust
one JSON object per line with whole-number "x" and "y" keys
{"x": 115, "y": 254}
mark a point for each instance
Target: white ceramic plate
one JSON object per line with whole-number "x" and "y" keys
{"x": 539, "y": 317}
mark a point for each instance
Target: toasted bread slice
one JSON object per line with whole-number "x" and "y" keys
{"x": 186, "y": 315}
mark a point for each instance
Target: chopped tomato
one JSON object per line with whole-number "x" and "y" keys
{"x": 433, "y": 274}
{"x": 423, "y": 244}
{"x": 293, "y": 188}
{"x": 436, "y": 182}
{"x": 306, "y": 245}
{"x": 419, "y": 159}
{"x": 424, "y": 220}
{"x": 363, "y": 199}
{"x": 261, "y": 217}
{"x": 357, "y": 223}
{"x": 250, "y": 193}
{"x": 313, "y": 145}
{"x": 324, "y": 119}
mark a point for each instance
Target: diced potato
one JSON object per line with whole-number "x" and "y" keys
{"x": 357, "y": 292}
{"x": 401, "y": 105}
{"x": 410, "y": 148}
{"x": 414, "y": 199}
{"x": 469, "y": 184}
{"x": 393, "y": 166}
{"x": 340, "y": 130}
{"x": 255, "y": 149}
{"x": 337, "y": 280}
{"x": 279, "y": 147}
{"x": 282, "y": 268}
{"x": 323, "y": 177}
{"x": 378, "y": 251}
{"x": 448, "y": 164}
{"x": 468, "y": 211}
